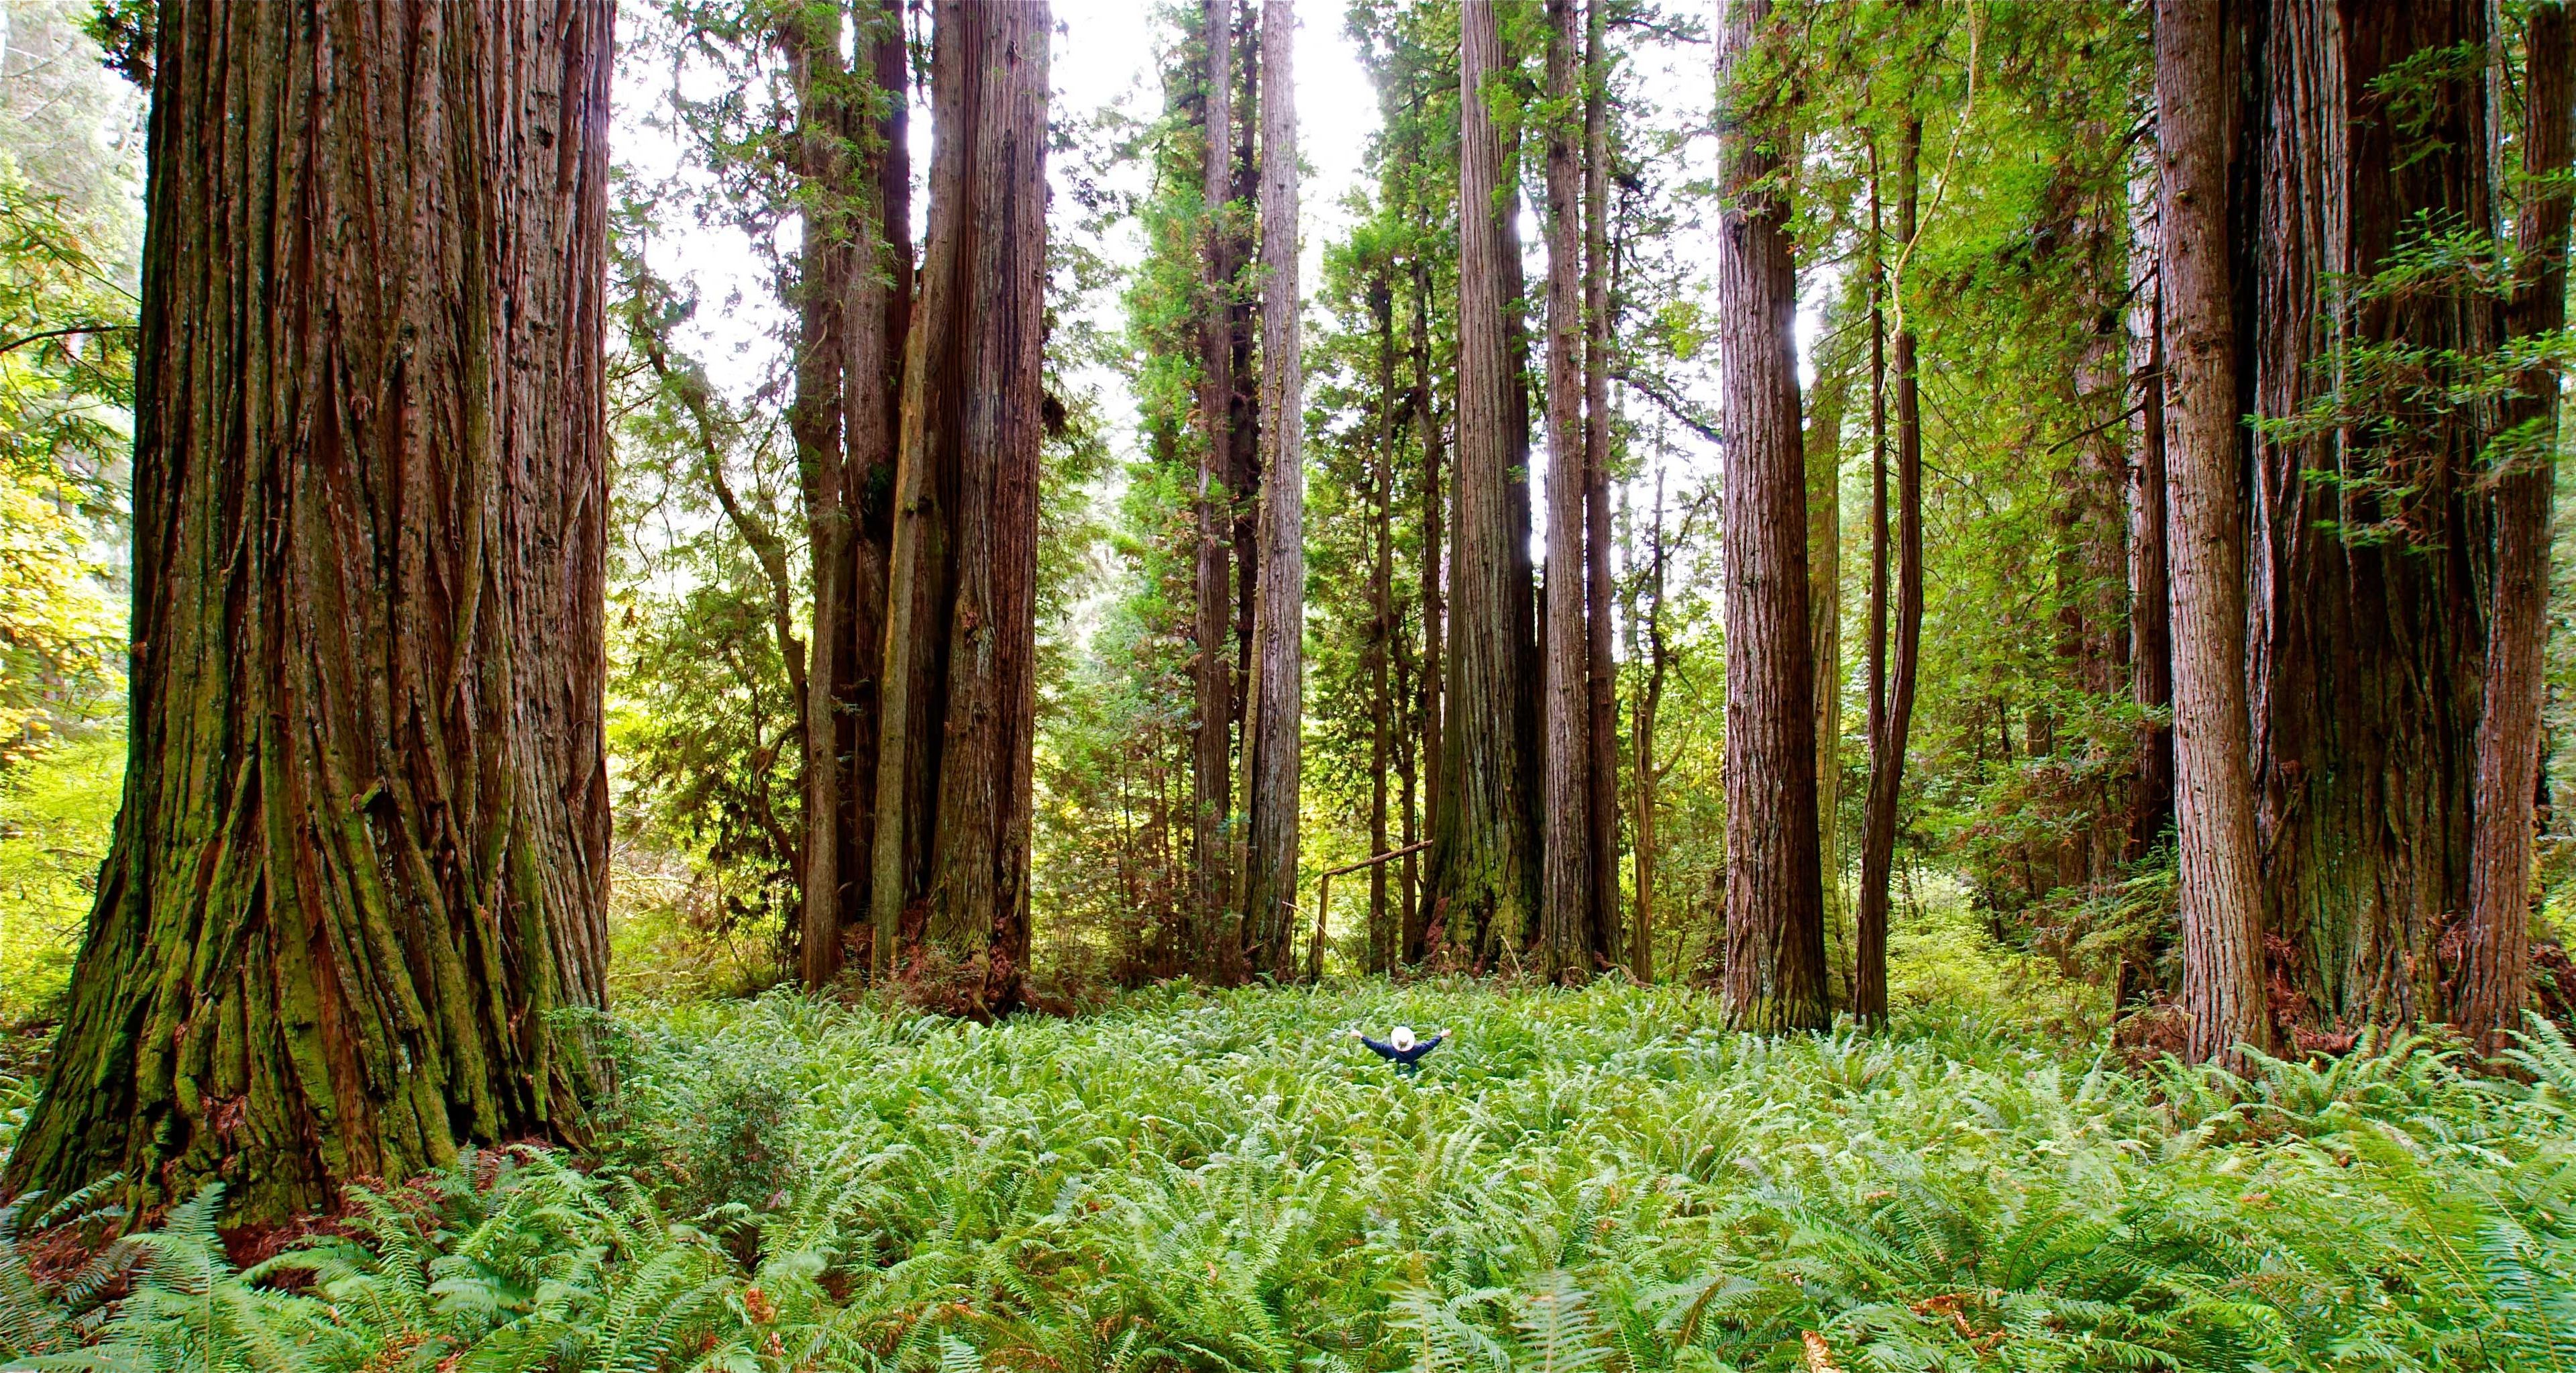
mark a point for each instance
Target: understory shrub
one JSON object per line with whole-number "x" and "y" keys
{"x": 1586, "y": 1179}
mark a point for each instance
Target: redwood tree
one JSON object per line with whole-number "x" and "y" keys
{"x": 1212, "y": 786}
{"x": 362, "y": 857}
{"x": 1274, "y": 727}
{"x": 2496, "y": 967}
{"x": 955, "y": 755}
{"x": 1775, "y": 943}
{"x": 1565, "y": 672}
{"x": 1483, "y": 885}
{"x": 2222, "y": 912}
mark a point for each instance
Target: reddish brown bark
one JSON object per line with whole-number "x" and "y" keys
{"x": 1775, "y": 947}
{"x": 2222, "y": 914}
{"x": 1274, "y": 725}
{"x": 1605, "y": 937}
{"x": 2495, "y": 972}
{"x": 1426, "y": 421}
{"x": 1483, "y": 884}
{"x": 1565, "y": 745}
{"x": 2150, "y": 619}
{"x": 362, "y": 858}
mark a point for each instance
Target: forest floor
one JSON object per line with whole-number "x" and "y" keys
{"x": 1602, "y": 1178}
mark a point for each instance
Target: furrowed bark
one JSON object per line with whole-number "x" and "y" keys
{"x": 1565, "y": 748}
{"x": 2495, "y": 973}
{"x": 1384, "y": 627}
{"x": 362, "y": 857}
{"x": 1483, "y": 883}
{"x": 977, "y": 920}
{"x": 921, "y": 561}
{"x": 2222, "y": 912}
{"x": 1775, "y": 949}
{"x": 1275, "y": 729}
{"x": 2150, "y": 594}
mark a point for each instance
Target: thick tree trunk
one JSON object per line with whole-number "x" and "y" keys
{"x": 2222, "y": 912}
{"x": 961, "y": 787}
{"x": 2495, "y": 972}
{"x": 1888, "y": 738}
{"x": 1213, "y": 786}
{"x": 1484, "y": 871}
{"x": 2367, "y": 616}
{"x": 1565, "y": 734}
{"x": 1605, "y": 937}
{"x": 1275, "y": 727}
{"x": 362, "y": 858}
{"x": 1775, "y": 939}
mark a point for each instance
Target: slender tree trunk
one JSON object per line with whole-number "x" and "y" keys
{"x": 1275, "y": 727}
{"x": 1775, "y": 946}
{"x": 2222, "y": 912}
{"x": 1565, "y": 743}
{"x": 878, "y": 299}
{"x": 362, "y": 857}
{"x": 822, "y": 91}
{"x": 1484, "y": 871}
{"x": 1878, "y": 822}
{"x": 1646, "y": 774}
{"x": 1213, "y": 787}
{"x": 2496, "y": 964}
{"x": 1603, "y": 771}
{"x": 2150, "y": 592}
{"x": 1383, "y": 627}
{"x": 1822, "y": 453}
{"x": 1417, "y": 914}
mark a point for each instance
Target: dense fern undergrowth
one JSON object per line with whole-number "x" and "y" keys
{"x": 1600, "y": 1179}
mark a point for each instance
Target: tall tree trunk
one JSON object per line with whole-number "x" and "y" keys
{"x": 2150, "y": 593}
{"x": 2222, "y": 913}
{"x": 1603, "y": 697}
{"x": 879, "y": 303}
{"x": 1821, "y": 448}
{"x": 972, "y": 412}
{"x": 1213, "y": 787}
{"x": 822, "y": 91}
{"x": 2368, "y": 644}
{"x": 2495, "y": 972}
{"x": 1275, "y": 727}
{"x": 853, "y": 284}
{"x": 1775, "y": 942}
{"x": 1484, "y": 872}
{"x": 1426, "y": 419}
{"x": 1565, "y": 742}
{"x": 362, "y": 857}
{"x": 1869, "y": 923}
{"x": 1383, "y": 627}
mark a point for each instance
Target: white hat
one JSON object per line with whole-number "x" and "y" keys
{"x": 1402, "y": 1038}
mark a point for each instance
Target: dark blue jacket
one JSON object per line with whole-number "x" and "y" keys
{"x": 1404, "y": 1057}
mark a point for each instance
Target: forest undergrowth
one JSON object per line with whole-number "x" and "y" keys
{"x": 1592, "y": 1179}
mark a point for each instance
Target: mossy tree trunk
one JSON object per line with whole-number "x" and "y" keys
{"x": 361, "y": 863}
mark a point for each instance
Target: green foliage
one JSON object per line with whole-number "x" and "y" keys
{"x": 56, "y": 811}
{"x": 1602, "y": 1179}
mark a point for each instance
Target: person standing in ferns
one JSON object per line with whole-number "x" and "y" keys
{"x": 1401, "y": 1048}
